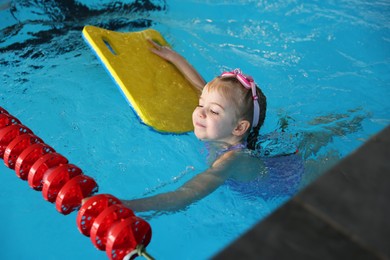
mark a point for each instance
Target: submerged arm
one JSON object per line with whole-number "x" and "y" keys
{"x": 195, "y": 189}
{"x": 181, "y": 64}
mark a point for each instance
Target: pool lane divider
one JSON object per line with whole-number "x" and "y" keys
{"x": 110, "y": 225}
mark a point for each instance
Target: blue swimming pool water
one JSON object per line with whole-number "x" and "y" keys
{"x": 324, "y": 67}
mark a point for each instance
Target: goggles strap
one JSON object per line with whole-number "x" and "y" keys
{"x": 256, "y": 107}
{"x": 248, "y": 83}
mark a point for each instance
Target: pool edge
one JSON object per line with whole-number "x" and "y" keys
{"x": 344, "y": 214}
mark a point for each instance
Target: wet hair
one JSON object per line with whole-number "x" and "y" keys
{"x": 232, "y": 90}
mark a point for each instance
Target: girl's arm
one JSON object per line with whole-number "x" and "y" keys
{"x": 181, "y": 64}
{"x": 195, "y": 189}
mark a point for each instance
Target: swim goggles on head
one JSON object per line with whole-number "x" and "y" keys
{"x": 248, "y": 83}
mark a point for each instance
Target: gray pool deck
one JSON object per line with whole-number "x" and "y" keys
{"x": 344, "y": 214}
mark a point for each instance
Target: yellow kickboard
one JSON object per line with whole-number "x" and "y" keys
{"x": 157, "y": 91}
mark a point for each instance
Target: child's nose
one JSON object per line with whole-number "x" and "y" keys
{"x": 202, "y": 112}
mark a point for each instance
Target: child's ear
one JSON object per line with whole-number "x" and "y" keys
{"x": 241, "y": 128}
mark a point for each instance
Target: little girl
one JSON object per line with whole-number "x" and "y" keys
{"x": 230, "y": 113}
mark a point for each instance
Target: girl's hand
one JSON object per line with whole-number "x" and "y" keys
{"x": 180, "y": 63}
{"x": 163, "y": 51}
{"x": 84, "y": 200}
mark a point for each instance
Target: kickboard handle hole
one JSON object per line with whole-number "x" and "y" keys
{"x": 108, "y": 44}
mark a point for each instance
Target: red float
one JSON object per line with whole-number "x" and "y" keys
{"x": 3, "y": 111}
{"x": 112, "y": 226}
{"x": 16, "y": 147}
{"x": 8, "y": 133}
{"x": 74, "y": 191}
{"x": 125, "y": 236}
{"x": 55, "y": 178}
{"x": 6, "y": 120}
{"x": 105, "y": 220}
{"x": 28, "y": 157}
{"x": 91, "y": 209}
{"x": 41, "y": 166}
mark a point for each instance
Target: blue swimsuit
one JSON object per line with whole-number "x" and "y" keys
{"x": 283, "y": 177}
{"x": 284, "y": 168}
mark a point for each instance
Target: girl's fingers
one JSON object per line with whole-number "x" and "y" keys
{"x": 155, "y": 44}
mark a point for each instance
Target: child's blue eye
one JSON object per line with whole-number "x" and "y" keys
{"x": 213, "y": 112}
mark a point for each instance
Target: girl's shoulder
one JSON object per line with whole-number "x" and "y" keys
{"x": 241, "y": 164}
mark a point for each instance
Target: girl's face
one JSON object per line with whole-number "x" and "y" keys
{"x": 214, "y": 118}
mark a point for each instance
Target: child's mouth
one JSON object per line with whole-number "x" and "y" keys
{"x": 199, "y": 125}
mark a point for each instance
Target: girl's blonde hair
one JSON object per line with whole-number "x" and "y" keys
{"x": 242, "y": 100}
